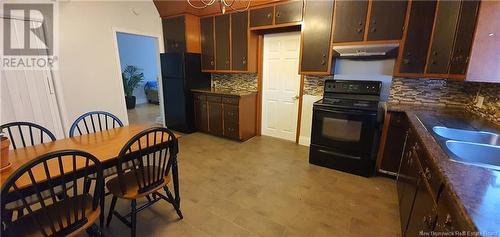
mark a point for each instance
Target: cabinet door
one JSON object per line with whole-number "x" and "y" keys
{"x": 386, "y": 20}
{"x": 239, "y": 40}
{"x": 417, "y": 37}
{"x": 289, "y": 12}
{"x": 174, "y": 34}
{"x": 201, "y": 115}
{"x": 448, "y": 220}
{"x": 445, "y": 26}
{"x": 222, "y": 43}
{"x": 316, "y": 33}
{"x": 424, "y": 212}
{"x": 464, "y": 36}
{"x": 395, "y": 141}
{"x": 349, "y": 20}
{"x": 215, "y": 118}
{"x": 262, "y": 17}
{"x": 207, "y": 43}
{"x": 407, "y": 185}
{"x": 231, "y": 121}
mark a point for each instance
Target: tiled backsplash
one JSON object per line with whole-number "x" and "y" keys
{"x": 420, "y": 91}
{"x": 237, "y": 81}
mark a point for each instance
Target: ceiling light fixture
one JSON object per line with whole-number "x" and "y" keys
{"x": 223, "y": 5}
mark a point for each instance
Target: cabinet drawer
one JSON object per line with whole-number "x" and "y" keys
{"x": 261, "y": 16}
{"x": 200, "y": 97}
{"x": 430, "y": 174}
{"x": 230, "y": 114}
{"x": 231, "y": 130}
{"x": 230, "y": 100}
{"x": 214, "y": 98}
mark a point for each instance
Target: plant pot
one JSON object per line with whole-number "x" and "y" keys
{"x": 130, "y": 102}
{"x": 4, "y": 155}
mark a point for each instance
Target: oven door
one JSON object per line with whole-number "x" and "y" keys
{"x": 347, "y": 129}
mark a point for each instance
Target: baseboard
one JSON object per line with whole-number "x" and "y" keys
{"x": 305, "y": 141}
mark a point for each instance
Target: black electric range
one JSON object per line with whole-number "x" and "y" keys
{"x": 346, "y": 126}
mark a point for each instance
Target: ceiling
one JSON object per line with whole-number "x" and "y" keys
{"x": 168, "y": 8}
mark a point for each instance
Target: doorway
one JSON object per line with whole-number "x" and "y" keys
{"x": 138, "y": 55}
{"x": 280, "y": 85}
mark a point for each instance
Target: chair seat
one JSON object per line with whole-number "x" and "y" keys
{"x": 131, "y": 186}
{"x": 26, "y": 226}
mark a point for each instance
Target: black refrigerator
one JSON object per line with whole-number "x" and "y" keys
{"x": 181, "y": 72}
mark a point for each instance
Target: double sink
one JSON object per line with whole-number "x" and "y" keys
{"x": 479, "y": 148}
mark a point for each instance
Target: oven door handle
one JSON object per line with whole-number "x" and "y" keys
{"x": 351, "y": 112}
{"x": 339, "y": 154}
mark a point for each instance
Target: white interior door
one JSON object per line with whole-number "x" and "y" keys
{"x": 280, "y": 85}
{"x": 28, "y": 95}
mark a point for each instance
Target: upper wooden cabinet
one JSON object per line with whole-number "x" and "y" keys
{"x": 485, "y": 54}
{"x": 316, "y": 38}
{"x": 207, "y": 43}
{"x": 349, "y": 20}
{"x": 262, "y": 16}
{"x": 239, "y": 41}
{"x": 288, "y": 13}
{"x": 222, "y": 43}
{"x": 386, "y": 20}
{"x": 181, "y": 34}
{"x": 412, "y": 57}
{"x": 452, "y": 36}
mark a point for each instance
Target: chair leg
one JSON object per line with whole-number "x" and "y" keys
{"x": 174, "y": 203}
{"x": 111, "y": 209}
{"x": 133, "y": 217}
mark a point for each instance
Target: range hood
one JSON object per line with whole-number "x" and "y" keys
{"x": 366, "y": 51}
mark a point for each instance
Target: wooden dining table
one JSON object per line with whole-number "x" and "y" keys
{"x": 104, "y": 145}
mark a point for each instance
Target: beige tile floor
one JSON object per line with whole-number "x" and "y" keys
{"x": 144, "y": 114}
{"x": 266, "y": 187}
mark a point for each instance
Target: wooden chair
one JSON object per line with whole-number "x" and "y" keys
{"x": 70, "y": 216}
{"x": 94, "y": 121}
{"x": 23, "y": 134}
{"x": 151, "y": 153}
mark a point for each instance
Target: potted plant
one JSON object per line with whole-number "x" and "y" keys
{"x": 4, "y": 155}
{"x": 132, "y": 76}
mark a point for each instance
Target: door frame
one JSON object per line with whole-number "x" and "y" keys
{"x": 260, "y": 74}
{"x": 115, "y": 31}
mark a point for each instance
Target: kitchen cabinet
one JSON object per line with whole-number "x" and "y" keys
{"x": 424, "y": 211}
{"x": 394, "y": 143}
{"x": 231, "y": 116}
{"x": 407, "y": 181}
{"x": 174, "y": 34}
{"x": 207, "y": 43}
{"x": 448, "y": 220}
{"x": 416, "y": 42}
{"x": 485, "y": 53}
{"x": 239, "y": 40}
{"x": 201, "y": 112}
{"x": 288, "y": 12}
{"x": 447, "y": 31}
{"x": 316, "y": 38}
{"x": 222, "y": 43}
{"x": 262, "y": 16}
{"x": 215, "y": 121}
{"x": 386, "y": 20}
{"x": 349, "y": 20}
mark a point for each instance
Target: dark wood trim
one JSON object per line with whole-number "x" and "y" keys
{"x": 215, "y": 49}
{"x": 367, "y": 21}
{"x": 299, "y": 115}
{"x": 275, "y": 26}
{"x": 432, "y": 37}
{"x": 260, "y": 54}
{"x": 403, "y": 40}
{"x": 368, "y": 42}
{"x": 383, "y": 140}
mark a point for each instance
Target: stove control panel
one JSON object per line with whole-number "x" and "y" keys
{"x": 353, "y": 87}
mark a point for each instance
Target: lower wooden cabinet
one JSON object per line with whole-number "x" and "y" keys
{"x": 447, "y": 218}
{"x": 394, "y": 133}
{"x": 226, "y": 115}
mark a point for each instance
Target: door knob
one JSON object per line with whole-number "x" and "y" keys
{"x": 295, "y": 97}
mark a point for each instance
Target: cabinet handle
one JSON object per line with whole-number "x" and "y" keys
{"x": 277, "y": 13}
{"x": 227, "y": 61}
{"x": 212, "y": 62}
{"x": 359, "y": 30}
{"x": 269, "y": 15}
{"x": 373, "y": 29}
{"x": 323, "y": 62}
{"x": 434, "y": 53}
{"x": 427, "y": 173}
{"x": 244, "y": 61}
{"x": 360, "y": 23}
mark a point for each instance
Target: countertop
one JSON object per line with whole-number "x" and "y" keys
{"x": 224, "y": 91}
{"x": 476, "y": 190}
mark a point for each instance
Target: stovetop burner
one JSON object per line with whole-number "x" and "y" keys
{"x": 351, "y": 94}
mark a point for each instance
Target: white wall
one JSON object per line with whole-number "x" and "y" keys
{"x": 88, "y": 62}
{"x": 306, "y": 119}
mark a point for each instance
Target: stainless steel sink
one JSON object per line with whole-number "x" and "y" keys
{"x": 467, "y": 135}
{"x": 483, "y": 155}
